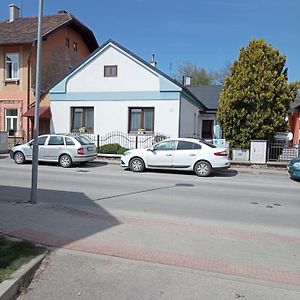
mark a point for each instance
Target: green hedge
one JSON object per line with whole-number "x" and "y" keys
{"x": 112, "y": 149}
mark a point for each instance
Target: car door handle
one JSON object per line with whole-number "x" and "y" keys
{"x": 192, "y": 154}
{"x": 168, "y": 154}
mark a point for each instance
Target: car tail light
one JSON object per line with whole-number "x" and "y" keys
{"x": 222, "y": 153}
{"x": 80, "y": 151}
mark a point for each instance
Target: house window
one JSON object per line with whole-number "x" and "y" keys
{"x": 111, "y": 71}
{"x": 67, "y": 43}
{"x": 12, "y": 66}
{"x": 11, "y": 121}
{"x": 82, "y": 119}
{"x": 141, "y": 119}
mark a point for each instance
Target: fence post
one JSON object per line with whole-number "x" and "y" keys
{"x": 98, "y": 141}
{"x": 136, "y": 142}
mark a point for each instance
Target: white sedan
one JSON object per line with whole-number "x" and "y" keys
{"x": 178, "y": 154}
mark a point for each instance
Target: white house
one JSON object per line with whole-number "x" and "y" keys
{"x": 115, "y": 90}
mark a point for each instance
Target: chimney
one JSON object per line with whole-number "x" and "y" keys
{"x": 153, "y": 62}
{"x": 14, "y": 12}
{"x": 187, "y": 80}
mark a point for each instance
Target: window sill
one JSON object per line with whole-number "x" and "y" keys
{"x": 141, "y": 133}
{"x": 11, "y": 81}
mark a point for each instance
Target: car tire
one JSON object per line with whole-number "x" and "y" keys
{"x": 137, "y": 165}
{"x": 65, "y": 161}
{"x": 203, "y": 168}
{"x": 19, "y": 158}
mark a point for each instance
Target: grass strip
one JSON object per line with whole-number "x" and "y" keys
{"x": 14, "y": 254}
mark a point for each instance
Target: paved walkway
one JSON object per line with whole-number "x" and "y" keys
{"x": 154, "y": 240}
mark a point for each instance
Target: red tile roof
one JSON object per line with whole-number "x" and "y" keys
{"x": 24, "y": 30}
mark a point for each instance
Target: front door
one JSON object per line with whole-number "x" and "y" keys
{"x": 161, "y": 155}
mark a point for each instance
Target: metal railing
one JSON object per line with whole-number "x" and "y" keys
{"x": 282, "y": 151}
{"x": 126, "y": 140}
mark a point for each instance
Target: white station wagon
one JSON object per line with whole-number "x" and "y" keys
{"x": 64, "y": 149}
{"x": 178, "y": 154}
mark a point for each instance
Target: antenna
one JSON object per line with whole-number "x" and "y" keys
{"x": 21, "y": 5}
{"x": 170, "y": 69}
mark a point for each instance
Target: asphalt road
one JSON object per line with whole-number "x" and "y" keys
{"x": 242, "y": 226}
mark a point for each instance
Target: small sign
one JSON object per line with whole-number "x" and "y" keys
{"x": 219, "y": 142}
{"x": 283, "y": 136}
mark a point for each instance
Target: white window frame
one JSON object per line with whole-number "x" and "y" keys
{"x": 12, "y": 66}
{"x": 10, "y": 119}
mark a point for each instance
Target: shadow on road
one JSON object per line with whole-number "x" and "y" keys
{"x": 224, "y": 173}
{"x": 58, "y": 219}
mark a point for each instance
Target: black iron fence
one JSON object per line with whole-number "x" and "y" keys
{"x": 129, "y": 141}
{"x": 282, "y": 151}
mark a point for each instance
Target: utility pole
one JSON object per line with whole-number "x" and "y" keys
{"x": 35, "y": 152}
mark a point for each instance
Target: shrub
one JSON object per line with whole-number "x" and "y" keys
{"x": 122, "y": 150}
{"x": 112, "y": 149}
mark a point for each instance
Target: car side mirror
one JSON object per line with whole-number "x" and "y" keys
{"x": 151, "y": 148}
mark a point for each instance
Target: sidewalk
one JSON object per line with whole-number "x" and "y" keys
{"x": 140, "y": 256}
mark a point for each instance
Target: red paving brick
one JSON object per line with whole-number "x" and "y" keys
{"x": 163, "y": 257}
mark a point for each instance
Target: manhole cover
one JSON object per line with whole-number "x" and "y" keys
{"x": 254, "y": 202}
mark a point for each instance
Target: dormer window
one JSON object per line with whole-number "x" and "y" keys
{"x": 12, "y": 66}
{"x": 111, "y": 71}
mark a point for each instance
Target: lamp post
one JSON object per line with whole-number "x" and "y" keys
{"x": 35, "y": 152}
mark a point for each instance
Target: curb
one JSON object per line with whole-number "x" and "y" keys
{"x": 243, "y": 167}
{"x": 20, "y": 279}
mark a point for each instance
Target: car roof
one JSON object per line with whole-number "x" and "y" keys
{"x": 184, "y": 139}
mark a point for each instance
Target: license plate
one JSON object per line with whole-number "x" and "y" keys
{"x": 90, "y": 148}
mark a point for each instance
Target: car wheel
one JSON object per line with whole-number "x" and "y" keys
{"x": 65, "y": 161}
{"x": 19, "y": 158}
{"x": 202, "y": 168}
{"x": 137, "y": 164}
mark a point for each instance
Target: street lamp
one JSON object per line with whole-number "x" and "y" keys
{"x": 35, "y": 152}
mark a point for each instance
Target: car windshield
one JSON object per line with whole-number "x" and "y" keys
{"x": 84, "y": 140}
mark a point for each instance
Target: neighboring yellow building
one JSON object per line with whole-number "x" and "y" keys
{"x": 66, "y": 42}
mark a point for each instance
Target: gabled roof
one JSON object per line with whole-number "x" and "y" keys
{"x": 209, "y": 95}
{"x": 24, "y": 30}
{"x": 142, "y": 61}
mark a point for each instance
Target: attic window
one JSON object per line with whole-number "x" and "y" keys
{"x": 111, "y": 71}
{"x": 67, "y": 43}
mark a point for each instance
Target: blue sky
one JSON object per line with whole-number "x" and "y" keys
{"x": 208, "y": 33}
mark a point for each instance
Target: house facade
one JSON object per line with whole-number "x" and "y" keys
{"x": 115, "y": 90}
{"x": 65, "y": 43}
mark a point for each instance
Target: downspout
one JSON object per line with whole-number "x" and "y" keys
{"x": 28, "y": 86}
{"x": 179, "y": 119}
